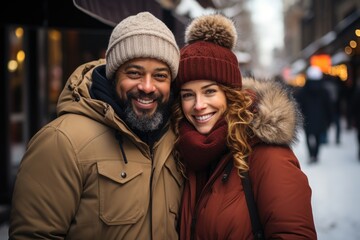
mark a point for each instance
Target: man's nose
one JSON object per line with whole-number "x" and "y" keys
{"x": 147, "y": 84}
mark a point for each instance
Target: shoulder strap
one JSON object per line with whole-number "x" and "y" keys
{"x": 254, "y": 216}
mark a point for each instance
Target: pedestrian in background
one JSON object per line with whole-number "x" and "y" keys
{"x": 332, "y": 85}
{"x": 315, "y": 104}
{"x": 104, "y": 168}
{"x": 356, "y": 115}
{"x": 229, "y": 127}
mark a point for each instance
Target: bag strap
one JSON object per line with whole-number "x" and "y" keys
{"x": 250, "y": 201}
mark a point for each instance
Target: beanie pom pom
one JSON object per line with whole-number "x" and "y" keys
{"x": 213, "y": 28}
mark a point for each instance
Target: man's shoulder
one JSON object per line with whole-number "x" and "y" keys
{"x": 78, "y": 128}
{"x": 76, "y": 121}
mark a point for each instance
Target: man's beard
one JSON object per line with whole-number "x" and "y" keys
{"x": 144, "y": 122}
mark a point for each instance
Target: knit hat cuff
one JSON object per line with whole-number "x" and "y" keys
{"x": 142, "y": 46}
{"x": 207, "y": 68}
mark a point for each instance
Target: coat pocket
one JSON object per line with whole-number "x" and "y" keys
{"x": 123, "y": 192}
{"x": 174, "y": 186}
{"x": 174, "y": 172}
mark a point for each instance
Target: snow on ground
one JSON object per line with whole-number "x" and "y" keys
{"x": 335, "y": 182}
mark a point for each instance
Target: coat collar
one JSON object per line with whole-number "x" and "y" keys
{"x": 277, "y": 118}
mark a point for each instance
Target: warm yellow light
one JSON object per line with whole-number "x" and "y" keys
{"x": 20, "y": 56}
{"x": 12, "y": 65}
{"x": 348, "y": 50}
{"x": 299, "y": 80}
{"x": 357, "y": 32}
{"x": 55, "y": 35}
{"x": 19, "y": 32}
{"x": 340, "y": 71}
{"x": 343, "y": 73}
{"x": 353, "y": 44}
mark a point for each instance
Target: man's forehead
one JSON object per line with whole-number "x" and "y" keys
{"x": 143, "y": 64}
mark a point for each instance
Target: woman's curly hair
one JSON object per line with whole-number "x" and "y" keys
{"x": 238, "y": 116}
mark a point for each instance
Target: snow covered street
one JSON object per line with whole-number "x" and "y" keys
{"x": 335, "y": 182}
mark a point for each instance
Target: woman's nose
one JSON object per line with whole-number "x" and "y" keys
{"x": 200, "y": 103}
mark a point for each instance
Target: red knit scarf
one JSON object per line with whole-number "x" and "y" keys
{"x": 199, "y": 151}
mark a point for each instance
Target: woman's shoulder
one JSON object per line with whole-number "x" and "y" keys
{"x": 268, "y": 157}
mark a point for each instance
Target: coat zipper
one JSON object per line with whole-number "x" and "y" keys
{"x": 151, "y": 192}
{"x": 197, "y": 206}
{"x": 226, "y": 173}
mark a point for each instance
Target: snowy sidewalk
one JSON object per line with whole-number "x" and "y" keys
{"x": 335, "y": 183}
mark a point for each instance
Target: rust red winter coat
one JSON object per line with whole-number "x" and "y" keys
{"x": 281, "y": 190}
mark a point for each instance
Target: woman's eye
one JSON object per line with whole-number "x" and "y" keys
{"x": 186, "y": 95}
{"x": 210, "y": 91}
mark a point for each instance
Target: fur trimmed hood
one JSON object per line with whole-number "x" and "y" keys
{"x": 277, "y": 118}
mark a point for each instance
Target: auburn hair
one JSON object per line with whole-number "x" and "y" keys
{"x": 238, "y": 116}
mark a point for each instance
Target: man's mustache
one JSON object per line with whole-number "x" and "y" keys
{"x": 143, "y": 95}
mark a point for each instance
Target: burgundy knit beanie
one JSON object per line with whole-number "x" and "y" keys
{"x": 208, "y": 54}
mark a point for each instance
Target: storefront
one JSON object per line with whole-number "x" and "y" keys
{"x": 42, "y": 43}
{"x": 341, "y": 47}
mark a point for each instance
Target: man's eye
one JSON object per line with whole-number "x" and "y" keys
{"x": 161, "y": 76}
{"x": 133, "y": 74}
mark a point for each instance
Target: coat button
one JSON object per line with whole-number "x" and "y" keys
{"x": 123, "y": 174}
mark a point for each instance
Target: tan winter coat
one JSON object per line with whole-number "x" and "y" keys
{"x": 73, "y": 182}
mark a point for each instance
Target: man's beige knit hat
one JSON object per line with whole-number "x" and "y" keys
{"x": 141, "y": 36}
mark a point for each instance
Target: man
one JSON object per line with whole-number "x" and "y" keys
{"x": 104, "y": 168}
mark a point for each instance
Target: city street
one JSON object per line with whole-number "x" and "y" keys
{"x": 48, "y": 70}
{"x": 335, "y": 181}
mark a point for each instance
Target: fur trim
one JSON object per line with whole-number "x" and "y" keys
{"x": 214, "y": 28}
{"x": 277, "y": 117}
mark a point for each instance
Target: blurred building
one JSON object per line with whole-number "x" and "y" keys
{"x": 327, "y": 31}
{"x": 42, "y": 42}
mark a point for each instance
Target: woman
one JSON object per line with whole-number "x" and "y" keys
{"x": 223, "y": 120}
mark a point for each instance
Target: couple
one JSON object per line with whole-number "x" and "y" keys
{"x": 107, "y": 168}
